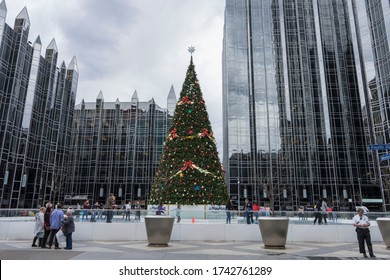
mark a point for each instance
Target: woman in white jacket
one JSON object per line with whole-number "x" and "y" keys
{"x": 39, "y": 229}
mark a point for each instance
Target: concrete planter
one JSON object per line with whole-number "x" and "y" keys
{"x": 274, "y": 231}
{"x": 384, "y": 228}
{"x": 159, "y": 229}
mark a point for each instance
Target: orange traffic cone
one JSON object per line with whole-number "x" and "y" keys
{"x": 193, "y": 219}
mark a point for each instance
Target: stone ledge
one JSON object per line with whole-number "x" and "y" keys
{"x": 198, "y": 231}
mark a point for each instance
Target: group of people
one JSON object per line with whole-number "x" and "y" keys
{"x": 111, "y": 206}
{"x": 106, "y": 211}
{"x": 127, "y": 211}
{"x": 161, "y": 211}
{"x": 251, "y": 211}
{"x": 49, "y": 222}
{"x": 320, "y": 212}
{"x": 95, "y": 210}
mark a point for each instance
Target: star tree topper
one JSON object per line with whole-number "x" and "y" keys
{"x": 191, "y": 50}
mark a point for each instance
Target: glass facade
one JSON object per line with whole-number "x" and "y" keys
{"x": 36, "y": 107}
{"x": 295, "y": 117}
{"x": 51, "y": 149}
{"x": 116, "y": 149}
{"x": 372, "y": 29}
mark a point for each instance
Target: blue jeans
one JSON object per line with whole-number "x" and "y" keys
{"x": 256, "y": 216}
{"x": 85, "y": 214}
{"x": 69, "y": 240}
{"x": 127, "y": 213}
{"x": 228, "y": 217}
{"x": 110, "y": 215}
{"x": 93, "y": 216}
{"x": 53, "y": 233}
{"x": 249, "y": 217}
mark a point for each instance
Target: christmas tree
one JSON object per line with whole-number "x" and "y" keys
{"x": 190, "y": 170}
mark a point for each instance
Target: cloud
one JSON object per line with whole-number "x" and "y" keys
{"x": 122, "y": 46}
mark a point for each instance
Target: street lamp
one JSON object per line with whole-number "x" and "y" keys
{"x": 6, "y": 177}
{"x": 345, "y": 193}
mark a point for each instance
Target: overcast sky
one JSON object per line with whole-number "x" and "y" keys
{"x": 127, "y": 45}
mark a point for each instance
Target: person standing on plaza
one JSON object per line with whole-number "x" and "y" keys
{"x": 46, "y": 218}
{"x": 361, "y": 224}
{"x": 39, "y": 229}
{"x": 110, "y": 204}
{"x": 68, "y": 227}
{"x": 55, "y": 225}
{"x": 228, "y": 208}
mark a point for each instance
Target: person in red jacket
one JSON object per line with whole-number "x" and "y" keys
{"x": 255, "y": 209}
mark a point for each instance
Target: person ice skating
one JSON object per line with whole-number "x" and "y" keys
{"x": 137, "y": 208}
{"x": 229, "y": 208}
{"x": 178, "y": 213}
{"x": 160, "y": 209}
{"x": 110, "y": 205}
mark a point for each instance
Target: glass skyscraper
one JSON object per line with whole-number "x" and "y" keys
{"x": 36, "y": 108}
{"x": 51, "y": 149}
{"x": 299, "y": 106}
{"x": 116, "y": 149}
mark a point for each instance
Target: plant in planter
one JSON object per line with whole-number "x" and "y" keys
{"x": 273, "y": 229}
{"x": 384, "y": 228}
{"x": 159, "y": 227}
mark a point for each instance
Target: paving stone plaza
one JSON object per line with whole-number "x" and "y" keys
{"x": 188, "y": 250}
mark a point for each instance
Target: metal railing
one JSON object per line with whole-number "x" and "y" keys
{"x": 209, "y": 216}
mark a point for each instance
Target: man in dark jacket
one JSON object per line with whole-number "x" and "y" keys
{"x": 248, "y": 212}
{"x": 68, "y": 227}
{"x": 317, "y": 212}
{"x": 46, "y": 218}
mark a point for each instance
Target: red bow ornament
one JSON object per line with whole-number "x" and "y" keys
{"x": 187, "y": 164}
